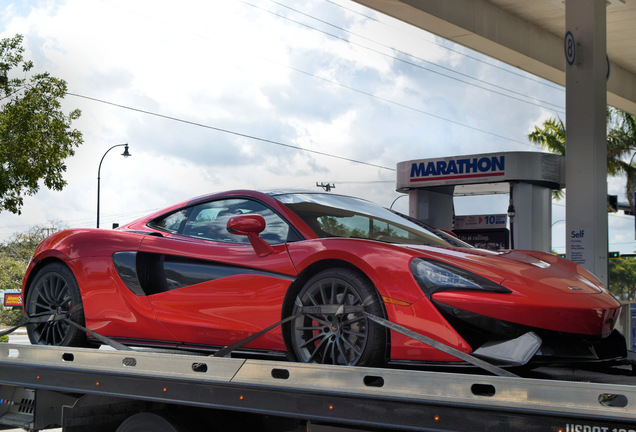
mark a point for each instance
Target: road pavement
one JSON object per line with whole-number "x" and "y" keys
{"x": 19, "y": 338}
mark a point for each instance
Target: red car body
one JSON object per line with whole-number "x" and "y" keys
{"x": 152, "y": 283}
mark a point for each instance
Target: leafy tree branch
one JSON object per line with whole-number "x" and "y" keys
{"x": 621, "y": 145}
{"x": 36, "y": 136}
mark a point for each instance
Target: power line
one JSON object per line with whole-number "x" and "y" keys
{"x": 416, "y": 57}
{"x": 555, "y": 106}
{"x": 399, "y": 104}
{"x": 463, "y": 54}
{"x": 8, "y": 231}
{"x": 410, "y": 63}
{"x": 446, "y": 119}
{"x": 218, "y": 129}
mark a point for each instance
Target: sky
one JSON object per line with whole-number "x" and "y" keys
{"x": 265, "y": 94}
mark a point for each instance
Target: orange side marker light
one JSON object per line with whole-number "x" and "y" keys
{"x": 397, "y": 302}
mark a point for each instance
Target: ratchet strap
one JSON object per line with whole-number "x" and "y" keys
{"x": 303, "y": 310}
{"x": 224, "y": 352}
{"x": 10, "y": 330}
{"x": 440, "y": 346}
{"x": 65, "y": 318}
{"x": 345, "y": 309}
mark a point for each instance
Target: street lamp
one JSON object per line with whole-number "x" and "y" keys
{"x": 124, "y": 154}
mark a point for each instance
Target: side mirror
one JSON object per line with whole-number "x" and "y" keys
{"x": 250, "y": 225}
{"x": 246, "y": 224}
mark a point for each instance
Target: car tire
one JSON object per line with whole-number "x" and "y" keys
{"x": 148, "y": 421}
{"x": 343, "y": 338}
{"x": 54, "y": 291}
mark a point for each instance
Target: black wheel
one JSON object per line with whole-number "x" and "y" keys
{"x": 54, "y": 290}
{"x": 335, "y": 335}
{"x": 149, "y": 422}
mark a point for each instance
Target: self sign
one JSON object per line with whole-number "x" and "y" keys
{"x": 577, "y": 234}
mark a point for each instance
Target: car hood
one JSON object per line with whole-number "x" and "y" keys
{"x": 514, "y": 269}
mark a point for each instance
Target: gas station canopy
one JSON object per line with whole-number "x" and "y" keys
{"x": 526, "y": 34}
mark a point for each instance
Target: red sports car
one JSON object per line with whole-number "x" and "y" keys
{"x": 217, "y": 269}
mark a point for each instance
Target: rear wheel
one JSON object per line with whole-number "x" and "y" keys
{"x": 328, "y": 332}
{"x": 53, "y": 292}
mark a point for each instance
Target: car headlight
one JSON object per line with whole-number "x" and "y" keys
{"x": 434, "y": 276}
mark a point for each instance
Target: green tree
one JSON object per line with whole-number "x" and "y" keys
{"x": 330, "y": 225}
{"x": 621, "y": 145}
{"x": 16, "y": 253}
{"x": 11, "y": 273}
{"x": 622, "y": 278}
{"x": 35, "y": 135}
{"x": 14, "y": 259}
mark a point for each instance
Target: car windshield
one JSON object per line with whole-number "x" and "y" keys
{"x": 330, "y": 215}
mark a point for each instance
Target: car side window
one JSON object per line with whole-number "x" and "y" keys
{"x": 174, "y": 222}
{"x": 209, "y": 221}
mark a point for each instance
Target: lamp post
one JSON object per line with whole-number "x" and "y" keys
{"x": 124, "y": 154}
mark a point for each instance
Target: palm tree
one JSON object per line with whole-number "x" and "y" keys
{"x": 552, "y": 138}
{"x": 621, "y": 145}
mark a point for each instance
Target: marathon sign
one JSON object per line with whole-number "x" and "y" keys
{"x": 466, "y": 168}
{"x": 534, "y": 167}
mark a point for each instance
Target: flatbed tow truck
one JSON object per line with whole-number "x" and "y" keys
{"x": 132, "y": 390}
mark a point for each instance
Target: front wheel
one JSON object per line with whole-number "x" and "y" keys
{"x": 334, "y": 330}
{"x": 54, "y": 291}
